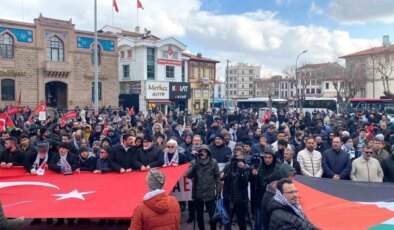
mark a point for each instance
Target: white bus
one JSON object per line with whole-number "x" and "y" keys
{"x": 312, "y": 104}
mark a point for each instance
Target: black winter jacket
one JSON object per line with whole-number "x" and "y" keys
{"x": 119, "y": 158}
{"x": 151, "y": 156}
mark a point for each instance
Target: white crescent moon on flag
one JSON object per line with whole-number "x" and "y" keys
{"x": 11, "y": 184}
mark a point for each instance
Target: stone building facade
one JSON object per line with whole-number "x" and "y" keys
{"x": 50, "y": 61}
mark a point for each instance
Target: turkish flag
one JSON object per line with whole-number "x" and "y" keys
{"x": 139, "y": 4}
{"x": 11, "y": 110}
{"x": 115, "y": 5}
{"x": 5, "y": 122}
{"x": 131, "y": 111}
{"x": 40, "y": 108}
{"x": 81, "y": 195}
{"x": 70, "y": 115}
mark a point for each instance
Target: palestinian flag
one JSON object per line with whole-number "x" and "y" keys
{"x": 347, "y": 205}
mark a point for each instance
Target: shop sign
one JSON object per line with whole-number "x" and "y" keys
{"x": 179, "y": 90}
{"x": 12, "y": 72}
{"x": 157, "y": 90}
{"x": 163, "y": 61}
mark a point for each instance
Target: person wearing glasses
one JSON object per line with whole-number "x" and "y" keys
{"x": 172, "y": 156}
{"x": 366, "y": 168}
{"x": 103, "y": 163}
{"x": 286, "y": 212}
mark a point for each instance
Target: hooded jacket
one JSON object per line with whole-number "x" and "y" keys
{"x": 158, "y": 211}
{"x": 266, "y": 174}
{"x": 205, "y": 175}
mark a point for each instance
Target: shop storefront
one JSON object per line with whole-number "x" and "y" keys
{"x": 179, "y": 95}
{"x": 157, "y": 96}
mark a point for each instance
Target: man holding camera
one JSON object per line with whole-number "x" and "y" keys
{"x": 235, "y": 189}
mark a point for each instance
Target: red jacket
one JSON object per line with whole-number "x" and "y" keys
{"x": 158, "y": 211}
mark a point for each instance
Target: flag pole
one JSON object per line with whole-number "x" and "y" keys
{"x": 137, "y": 17}
{"x": 112, "y": 15}
{"x": 96, "y": 102}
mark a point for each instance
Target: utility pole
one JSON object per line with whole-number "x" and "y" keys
{"x": 96, "y": 98}
{"x": 296, "y": 81}
{"x": 227, "y": 80}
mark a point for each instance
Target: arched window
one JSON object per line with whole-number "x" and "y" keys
{"x": 6, "y": 46}
{"x": 55, "y": 49}
{"x": 98, "y": 55}
{"x": 7, "y": 90}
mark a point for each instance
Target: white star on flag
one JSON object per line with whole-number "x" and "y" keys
{"x": 74, "y": 194}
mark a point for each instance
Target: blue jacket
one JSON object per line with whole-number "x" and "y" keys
{"x": 336, "y": 162}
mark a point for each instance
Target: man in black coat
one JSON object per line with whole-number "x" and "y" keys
{"x": 87, "y": 161}
{"x": 11, "y": 155}
{"x": 388, "y": 167}
{"x": 148, "y": 156}
{"x": 60, "y": 166}
{"x": 285, "y": 210}
{"x": 39, "y": 159}
{"x": 336, "y": 162}
{"x": 121, "y": 159}
{"x": 219, "y": 150}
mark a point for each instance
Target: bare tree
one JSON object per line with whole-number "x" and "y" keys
{"x": 347, "y": 82}
{"x": 384, "y": 67}
{"x": 269, "y": 87}
{"x": 301, "y": 83}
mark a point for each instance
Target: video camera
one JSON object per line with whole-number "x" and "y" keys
{"x": 255, "y": 160}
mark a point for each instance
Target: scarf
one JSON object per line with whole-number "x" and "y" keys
{"x": 64, "y": 165}
{"x": 174, "y": 160}
{"x": 37, "y": 162}
{"x": 283, "y": 201}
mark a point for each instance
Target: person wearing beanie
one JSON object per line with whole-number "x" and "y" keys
{"x": 263, "y": 175}
{"x": 87, "y": 160}
{"x": 187, "y": 143}
{"x": 158, "y": 210}
{"x": 204, "y": 171}
{"x": 96, "y": 148}
{"x": 285, "y": 171}
{"x": 219, "y": 150}
{"x": 103, "y": 163}
{"x": 379, "y": 153}
{"x": 39, "y": 159}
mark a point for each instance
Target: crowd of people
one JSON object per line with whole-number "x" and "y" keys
{"x": 261, "y": 154}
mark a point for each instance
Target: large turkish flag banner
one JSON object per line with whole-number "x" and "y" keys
{"x": 81, "y": 195}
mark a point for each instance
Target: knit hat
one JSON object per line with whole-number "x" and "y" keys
{"x": 43, "y": 146}
{"x": 220, "y": 136}
{"x": 155, "y": 179}
{"x": 379, "y": 137}
{"x": 147, "y": 138}
{"x": 96, "y": 143}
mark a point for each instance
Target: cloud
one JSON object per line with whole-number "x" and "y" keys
{"x": 315, "y": 9}
{"x": 258, "y": 37}
{"x": 284, "y": 2}
{"x": 362, "y": 12}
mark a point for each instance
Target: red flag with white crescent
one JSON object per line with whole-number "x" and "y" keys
{"x": 70, "y": 115}
{"x": 80, "y": 195}
{"x": 40, "y": 108}
{"x": 139, "y": 4}
{"x": 5, "y": 122}
{"x": 11, "y": 110}
{"x": 267, "y": 116}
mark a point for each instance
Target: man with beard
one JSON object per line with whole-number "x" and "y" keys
{"x": 148, "y": 156}
{"x": 286, "y": 212}
{"x": 11, "y": 155}
{"x": 320, "y": 146}
{"x": 298, "y": 142}
{"x": 242, "y": 131}
{"x": 113, "y": 136}
{"x": 259, "y": 147}
{"x": 121, "y": 159}
{"x": 86, "y": 161}
{"x": 336, "y": 162}
{"x": 96, "y": 148}
{"x": 282, "y": 144}
{"x": 256, "y": 136}
{"x": 227, "y": 140}
{"x": 75, "y": 143}
{"x": 187, "y": 141}
{"x": 66, "y": 140}
{"x": 220, "y": 152}
{"x": 310, "y": 160}
{"x": 264, "y": 175}
{"x": 55, "y": 134}
{"x": 25, "y": 145}
{"x": 174, "y": 133}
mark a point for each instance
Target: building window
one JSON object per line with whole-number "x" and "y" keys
{"x": 327, "y": 85}
{"x": 98, "y": 55}
{"x": 6, "y": 46}
{"x": 175, "y": 55}
{"x": 164, "y": 54}
{"x": 318, "y": 91}
{"x": 7, "y": 90}
{"x": 242, "y": 93}
{"x": 183, "y": 71}
{"x": 250, "y": 85}
{"x": 122, "y": 54}
{"x": 126, "y": 71}
{"x": 99, "y": 91}
{"x": 55, "y": 49}
{"x": 313, "y": 91}
{"x": 150, "y": 63}
{"x": 170, "y": 71}
{"x": 250, "y": 71}
{"x": 129, "y": 54}
{"x": 307, "y": 91}
{"x": 242, "y": 86}
{"x": 193, "y": 73}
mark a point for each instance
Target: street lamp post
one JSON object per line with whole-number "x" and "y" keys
{"x": 296, "y": 80}
{"x": 227, "y": 80}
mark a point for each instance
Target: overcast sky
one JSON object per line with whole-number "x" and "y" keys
{"x": 270, "y": 33}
